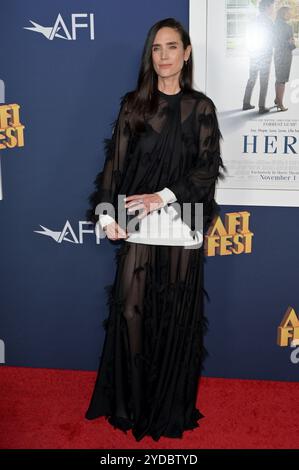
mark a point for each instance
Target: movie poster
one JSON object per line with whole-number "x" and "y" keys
{"x": 251, "y": 71}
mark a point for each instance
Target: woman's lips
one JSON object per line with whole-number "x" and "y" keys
{"x": 165, "y": 65}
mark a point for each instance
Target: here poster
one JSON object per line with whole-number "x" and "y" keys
{"x": 251, "y": 71}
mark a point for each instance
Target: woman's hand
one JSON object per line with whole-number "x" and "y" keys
{"x": 114, "y": 231}
{"x": 147, "y": 202}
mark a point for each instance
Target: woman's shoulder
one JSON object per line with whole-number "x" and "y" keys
{"x": 281, "y": 24}
{"x": 202, "y": 101}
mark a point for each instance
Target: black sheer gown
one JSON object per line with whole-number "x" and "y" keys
{"x": 153, "y": 352}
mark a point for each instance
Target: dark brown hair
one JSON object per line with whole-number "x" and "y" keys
{"x": 142, "y": 100}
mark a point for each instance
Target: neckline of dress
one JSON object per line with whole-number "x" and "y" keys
{"x": 169, "y": 96}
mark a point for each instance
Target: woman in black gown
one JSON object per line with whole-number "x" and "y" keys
{"x": 166, "y": 135}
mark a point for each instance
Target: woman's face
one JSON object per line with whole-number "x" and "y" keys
{"x": 168, "y": 53}
{"x": 287, "y": 14}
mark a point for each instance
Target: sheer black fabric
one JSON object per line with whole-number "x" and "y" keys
{"x": 180, "y": 149}
{"x": 154, "y": 351}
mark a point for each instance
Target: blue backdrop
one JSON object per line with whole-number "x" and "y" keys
{"x": 52, "y": 300}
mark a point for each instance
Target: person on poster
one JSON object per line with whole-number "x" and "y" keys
{"x": 261, "y": 52}
{"x": 165, "y": 147}
{"x": 284, "y": 43}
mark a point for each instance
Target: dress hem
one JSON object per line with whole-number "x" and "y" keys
{"x": 125, "y": 425}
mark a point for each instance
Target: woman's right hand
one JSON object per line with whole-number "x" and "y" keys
{"x": 114, "y": 231}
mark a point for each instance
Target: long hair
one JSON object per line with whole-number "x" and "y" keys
{"x": 143, "y": 100}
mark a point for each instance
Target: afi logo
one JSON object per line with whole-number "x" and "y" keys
{"x": 67, "y": 234}
{"x": 288, "y": 330}
{"x": 60, "y": 30}
{"x": 288, "y": 333}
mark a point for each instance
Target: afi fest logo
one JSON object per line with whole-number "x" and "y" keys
{"x": 231, "y": 237}
{"x": 11, "y": 128}
{"x": 59, "y": 29}
{"x": 288, "y": 334}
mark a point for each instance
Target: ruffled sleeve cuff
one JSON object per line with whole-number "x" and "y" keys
{"x": 167, "y": 196}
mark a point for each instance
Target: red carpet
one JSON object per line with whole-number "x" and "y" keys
{"x": 44, "y": 408}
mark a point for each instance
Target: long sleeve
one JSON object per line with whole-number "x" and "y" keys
{"x": 166, "y": 195}
{"x": 108, "y": 180}
{"x": 198, "y": 183}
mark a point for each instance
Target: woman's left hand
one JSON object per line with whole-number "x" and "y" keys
{"x": 147, "y": 202}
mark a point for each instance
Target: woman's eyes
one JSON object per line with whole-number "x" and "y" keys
{"x": 171, "y": 47}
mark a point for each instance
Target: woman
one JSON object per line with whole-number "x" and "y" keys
{"x": 164, "y": 150}
{"x": 284, "y": 44}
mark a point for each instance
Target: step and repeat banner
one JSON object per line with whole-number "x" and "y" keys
{"x": 64, "y": 67}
